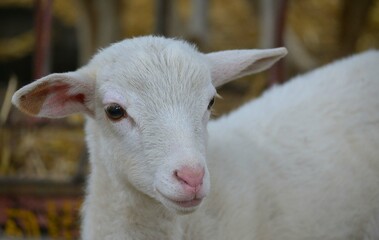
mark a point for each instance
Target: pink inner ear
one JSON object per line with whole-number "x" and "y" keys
{"x": 58, "y": 94}
{"x": 78, "y": 98}
{"x": 59, "y": 102}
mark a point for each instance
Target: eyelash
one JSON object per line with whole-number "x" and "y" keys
{"x": 211, "y": 103}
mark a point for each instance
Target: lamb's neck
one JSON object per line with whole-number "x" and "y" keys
{"x": 115, "y": 211}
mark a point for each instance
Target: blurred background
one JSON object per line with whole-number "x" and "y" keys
{"x": 43, "y": 163}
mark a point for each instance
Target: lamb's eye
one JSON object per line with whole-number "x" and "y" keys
{"x": 115, "y": 112}
{"x": 211, "y": 103}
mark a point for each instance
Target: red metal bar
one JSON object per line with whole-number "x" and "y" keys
{"x": 43, "y": 19}
{"x": 276, "y": 73}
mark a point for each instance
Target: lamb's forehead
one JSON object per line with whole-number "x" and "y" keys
{"x": 153, "y": 65}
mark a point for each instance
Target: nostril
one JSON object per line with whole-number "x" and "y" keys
{"x": 176, "y": 174}
{"x": 190, "y": 176}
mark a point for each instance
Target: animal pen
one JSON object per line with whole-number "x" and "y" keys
{"x": 43, "y": 163}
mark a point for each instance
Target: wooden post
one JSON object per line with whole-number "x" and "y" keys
{"x": 199, "y": 24}
{"x": 43, "y": 19}
{"x": 162, "y": 13}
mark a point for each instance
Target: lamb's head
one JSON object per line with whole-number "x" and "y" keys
{"x": 148, "y": 101}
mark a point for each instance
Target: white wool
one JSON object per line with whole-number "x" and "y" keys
{"x": 300, "y": 162}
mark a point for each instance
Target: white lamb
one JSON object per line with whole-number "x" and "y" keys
{"x": 301, "y": 162}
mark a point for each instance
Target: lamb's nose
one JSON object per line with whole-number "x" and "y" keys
{"x": 192, "y": 177}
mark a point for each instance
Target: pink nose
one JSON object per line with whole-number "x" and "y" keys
{"x": 192, "y": 177}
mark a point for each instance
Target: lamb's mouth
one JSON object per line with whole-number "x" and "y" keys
{"x": 183, "y": 203}
{"x": 187, "y": 204}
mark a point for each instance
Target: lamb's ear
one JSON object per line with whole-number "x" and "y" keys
{"x": 233, "y": 64}
{"x": 57, "y": 95}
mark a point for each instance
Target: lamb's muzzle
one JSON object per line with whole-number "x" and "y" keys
{"x": 191, "y": 178}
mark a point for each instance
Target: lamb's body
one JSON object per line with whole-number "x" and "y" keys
{"x": 301, "y": 162}
{"x": 308, "y": 158}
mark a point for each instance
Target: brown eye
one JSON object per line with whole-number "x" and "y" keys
{"x": 211, "y": 103}
{"x": 115, "y": 112}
